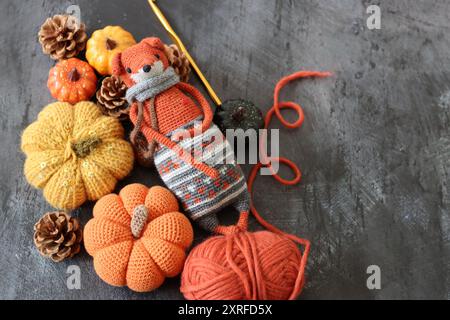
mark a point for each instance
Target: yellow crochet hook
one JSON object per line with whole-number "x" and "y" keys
{"x": 180, "y": 45}
{"x": 244, "y": 114}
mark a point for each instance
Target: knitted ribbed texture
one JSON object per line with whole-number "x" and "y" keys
{"x": 138, "y": 220}
{"x": 74, "y": 153}
{"x": 174, "y": 109}
{"x": 153, "y": 86}
{"x": 141, "y": 263}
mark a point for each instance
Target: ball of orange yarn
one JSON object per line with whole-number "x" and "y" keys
{"x": 242, "y": 266}
{"x": 138, "y": 238}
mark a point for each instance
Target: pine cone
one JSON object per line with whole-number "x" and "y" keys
{"x": 178, "y": 61}
{"x": 57, "y": 236}
{"x": 62, "y": 37}
{"x": 111, "y": 98}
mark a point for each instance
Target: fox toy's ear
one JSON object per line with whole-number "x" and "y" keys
{"x": 116, "y": 64}
{"x": 154, "y": 43}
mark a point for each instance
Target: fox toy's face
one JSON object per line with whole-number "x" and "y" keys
{"x": 140, "y": 62}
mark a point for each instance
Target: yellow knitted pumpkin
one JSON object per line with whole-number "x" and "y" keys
{"x": 74, "y": 153}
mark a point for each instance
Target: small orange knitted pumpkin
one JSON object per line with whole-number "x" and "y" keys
{"x": 138, "y": 238}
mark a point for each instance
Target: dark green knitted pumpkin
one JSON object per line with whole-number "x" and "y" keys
{"x": 238, "y": 114}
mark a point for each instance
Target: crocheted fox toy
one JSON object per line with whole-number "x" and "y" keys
{"x": 199, "y": 168}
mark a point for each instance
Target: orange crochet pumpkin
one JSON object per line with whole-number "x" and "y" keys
{"x": 72, "y": 80}
{"x": 138, "y": 238}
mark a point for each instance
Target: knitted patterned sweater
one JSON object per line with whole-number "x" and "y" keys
{"x": 200, "y": 195}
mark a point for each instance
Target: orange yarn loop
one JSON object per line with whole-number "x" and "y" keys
{"x": 252, "y": 265}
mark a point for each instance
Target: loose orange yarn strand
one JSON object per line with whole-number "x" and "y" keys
{"x": 277, "y": 106}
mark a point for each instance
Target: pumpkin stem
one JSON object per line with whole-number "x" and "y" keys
{"x": 110, "y": 44}
{"x": 138, "y": 220}
{"x": 74, "y": 75}
{"x": 84, "y": 147}
{"x": 238, "y": 114}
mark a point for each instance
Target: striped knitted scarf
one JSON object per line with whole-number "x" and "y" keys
{"x": 153, "y": 86}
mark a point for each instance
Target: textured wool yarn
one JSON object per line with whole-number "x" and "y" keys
{"x": 242, "y": 266}
{"x": 138, "y": 238}
{"x": 74, "y": 153}
{"x": 252, "y": 266}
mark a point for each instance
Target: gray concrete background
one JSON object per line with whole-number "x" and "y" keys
{"x": 374, "y": 148}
